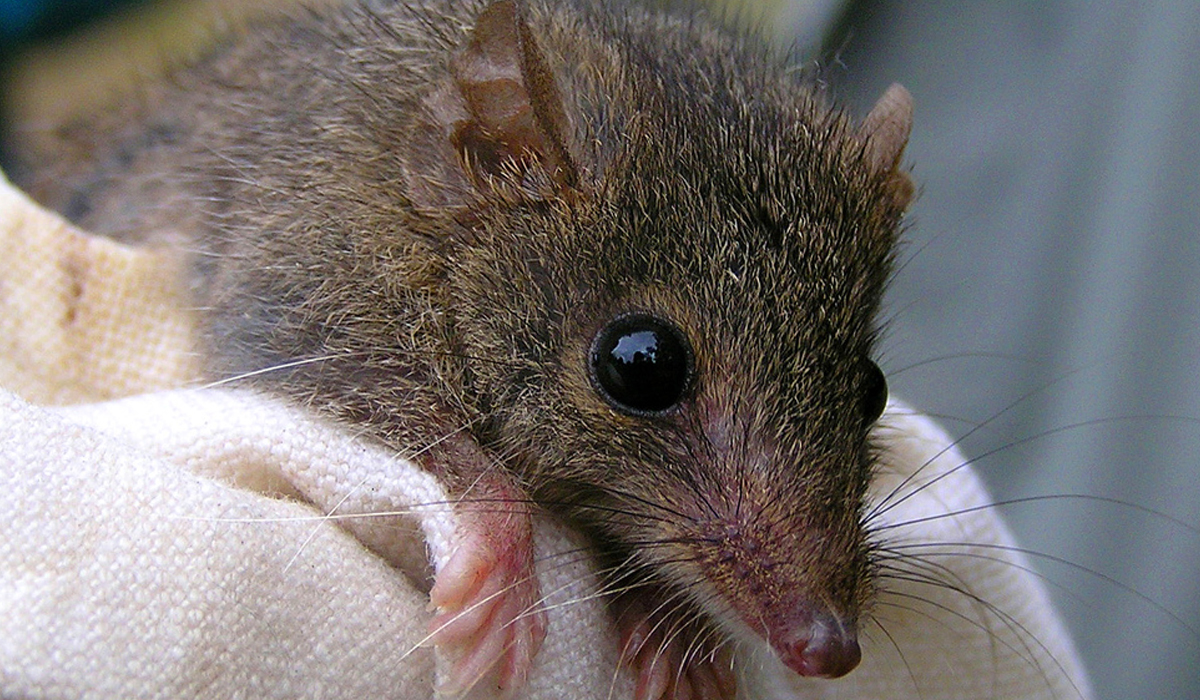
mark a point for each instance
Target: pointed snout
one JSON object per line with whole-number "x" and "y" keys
{"x": 824, "y": 648}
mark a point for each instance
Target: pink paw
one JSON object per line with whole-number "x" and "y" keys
{"x": 668, "y": 665}
{"x": 486, "y": 599}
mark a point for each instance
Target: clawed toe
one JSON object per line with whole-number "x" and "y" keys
{"x": 663, "y": 668}
{"x": 487, "y": 621}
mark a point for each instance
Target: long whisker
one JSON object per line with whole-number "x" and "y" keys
{"x": 895, "y": 645}
{"x": 350, "y": 354}
{"x": 884, "y": 505}
{"x": 275, "y": 368}
{"x": 1038, "y": 499}
{"x": 887, "y": 502}
{"x": 964, "y": 355}
{"x": 1060, "y": 561}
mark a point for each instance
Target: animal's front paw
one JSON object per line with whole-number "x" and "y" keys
{"x": 670, "y": 663}
{"x": 486, "y": 597}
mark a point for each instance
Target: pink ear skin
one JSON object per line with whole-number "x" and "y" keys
{"x": 886, "y": 130}
{"x": 515, "y": 117}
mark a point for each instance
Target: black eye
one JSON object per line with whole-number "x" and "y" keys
{"x": 874, "y": 393}
{"x": 641, "y": 364}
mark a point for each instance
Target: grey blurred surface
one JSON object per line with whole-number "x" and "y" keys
{"x": 1051, "y": 286}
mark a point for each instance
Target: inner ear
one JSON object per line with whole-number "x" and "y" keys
{"x": 885, "y": 131}
{"x": 515, "y": 118}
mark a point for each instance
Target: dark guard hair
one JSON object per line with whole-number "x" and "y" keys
{"x": 419, "y": 220}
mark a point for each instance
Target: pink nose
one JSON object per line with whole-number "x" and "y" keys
{"x": 825, "y": 650}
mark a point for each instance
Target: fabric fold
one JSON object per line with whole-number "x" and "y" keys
{"x": 161, "y": 541}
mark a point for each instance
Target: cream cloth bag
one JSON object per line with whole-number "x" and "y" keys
{"x": 161, "y": 541}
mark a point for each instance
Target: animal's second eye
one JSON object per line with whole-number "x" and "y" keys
{"x": 641, "y": 364}
{"x": 874, "y": 393}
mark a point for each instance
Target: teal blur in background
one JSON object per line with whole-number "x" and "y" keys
{"x": 24, "y": 21}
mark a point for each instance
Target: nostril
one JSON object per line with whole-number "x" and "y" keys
{"x": 826, "y": 650}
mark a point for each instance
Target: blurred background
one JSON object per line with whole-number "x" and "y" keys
{"x": 1047, "y": 308}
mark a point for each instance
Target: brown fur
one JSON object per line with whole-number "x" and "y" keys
{"x": 354, "y": 198}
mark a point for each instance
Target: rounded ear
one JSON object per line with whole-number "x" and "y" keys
{"x": 514, "y": 119}
{"x": 885, "y": 131}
